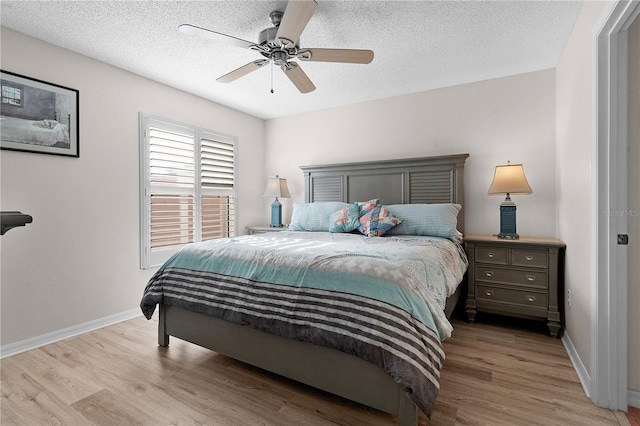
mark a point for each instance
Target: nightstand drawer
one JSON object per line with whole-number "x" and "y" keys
{"x": 525, "y": 278}
{"x": 507, "y": 295}
{"x": 530, "y": 258}
{"x": 492, "y": 255}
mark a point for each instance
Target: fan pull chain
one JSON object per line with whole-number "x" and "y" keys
{"x": 271, "y": 76}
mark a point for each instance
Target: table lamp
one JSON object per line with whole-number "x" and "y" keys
{"x": 509, "y": 179}
{"x": 276, "y": 187}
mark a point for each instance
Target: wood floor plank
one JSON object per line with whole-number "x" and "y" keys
{"x": 126, "y": 374}
{"x": 55, "y": 376}
{"x": 494, "y": 374}
{"x": 25, "y": 401}
{"x": 105, "y": 408}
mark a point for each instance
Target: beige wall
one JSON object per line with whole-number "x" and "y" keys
{"x": 511, "y": 118}
{"x": 633, "y": 169}
{"x": 79, "y": 259}
{"x": 575, "y": 126}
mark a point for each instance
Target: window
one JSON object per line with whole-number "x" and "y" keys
{"x": 187, "y": 187}
{"x": 11, "y": 94}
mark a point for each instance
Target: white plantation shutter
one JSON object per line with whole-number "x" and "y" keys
{"x": 171, "y": 184}
{"x": 216, "y": 161}
{"x": 217, "y": 186}
{"x": 187, "y": 187}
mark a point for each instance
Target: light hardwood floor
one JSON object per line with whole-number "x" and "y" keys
{"x": 493, "y": 375}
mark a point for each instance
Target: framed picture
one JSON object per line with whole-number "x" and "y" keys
{"x": 36, "y": 116}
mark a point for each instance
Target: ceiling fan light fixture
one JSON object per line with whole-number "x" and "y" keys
{"x": 279, "y": 57}
{"x": 278, "y": 47}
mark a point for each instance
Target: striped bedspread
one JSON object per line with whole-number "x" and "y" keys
{"x": 380, "y": 299}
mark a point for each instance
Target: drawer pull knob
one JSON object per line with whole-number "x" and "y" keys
{"x": 491, "y": 255}
{"x": 531, "y": 278}
{"x": 489, "y": 274}
{"x": 489, "y": 292}
{"x": 531, "y": 298}
{"x": 529, "y": 258}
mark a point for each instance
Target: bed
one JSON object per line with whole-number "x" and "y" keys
{"x": 313, "y": 317}
{"x": 39, "y": 132}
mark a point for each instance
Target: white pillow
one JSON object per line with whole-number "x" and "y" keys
{"x": 313, "y": 217}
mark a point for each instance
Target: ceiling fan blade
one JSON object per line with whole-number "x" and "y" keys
{"x": 212, "y": 35}
{"x": 298, "y": 77}
{"x": 350, "y": 56}
{"x": 242, "y": 71}
{"x": 295, "y": 19}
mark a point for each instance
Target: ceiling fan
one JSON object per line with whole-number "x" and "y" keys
{"x": 281, "y": 43}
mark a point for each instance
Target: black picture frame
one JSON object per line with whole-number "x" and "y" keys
{"x": 38, "y": 116}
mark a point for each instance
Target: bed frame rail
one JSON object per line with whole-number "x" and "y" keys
{"x": 326, "y": 369}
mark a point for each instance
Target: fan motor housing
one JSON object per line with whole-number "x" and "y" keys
{"x": 276, "y": 50}
{"x": 268, "y": 35}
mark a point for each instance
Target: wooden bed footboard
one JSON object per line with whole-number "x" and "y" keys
{"x": 323, "y": 368}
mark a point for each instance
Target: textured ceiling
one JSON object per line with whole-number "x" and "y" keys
{"x": 418, "y": 45}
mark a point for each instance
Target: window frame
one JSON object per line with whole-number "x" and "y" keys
{"x": 155, "y": 258}
{"x": 18, "y": 87}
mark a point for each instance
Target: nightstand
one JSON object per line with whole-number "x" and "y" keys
{"x": 263, "y": 229}
{"x": 521, "y": 278}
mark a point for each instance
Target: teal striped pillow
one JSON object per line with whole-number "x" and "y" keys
{"x": 313, "y": 217}
{"x": 434, "y": 220}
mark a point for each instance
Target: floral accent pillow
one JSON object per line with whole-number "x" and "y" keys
{"x": 345, "y": 219}
{"x": 377, "y": 222}
{"x": 366, "y": 206}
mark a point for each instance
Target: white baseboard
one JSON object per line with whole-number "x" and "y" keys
{"x": 66, "y": 333}
{"x": 634, "y": 398}
{"x": 581, "y": 371}
{"x": 583, "y": 376}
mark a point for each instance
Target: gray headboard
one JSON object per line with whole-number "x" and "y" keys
{"x": 406, "y": 181}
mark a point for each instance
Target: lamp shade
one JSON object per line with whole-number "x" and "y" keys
{"x": 509, "y": 179}
{"x": 277, "y": 187}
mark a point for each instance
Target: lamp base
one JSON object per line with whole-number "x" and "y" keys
{"x": 276, "y": 214}
{"x": 508, "y": 236}
{"x": 508, "y": 220}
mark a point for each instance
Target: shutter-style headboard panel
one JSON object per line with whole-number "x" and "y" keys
{"x": 406, "y": 181}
